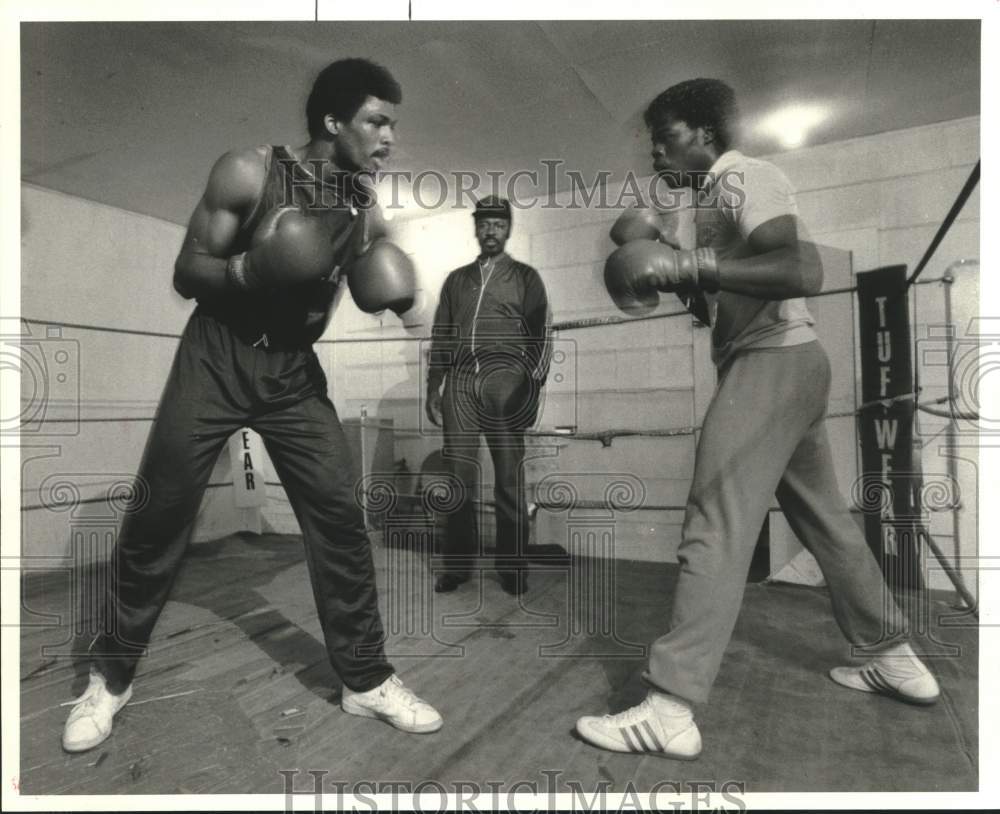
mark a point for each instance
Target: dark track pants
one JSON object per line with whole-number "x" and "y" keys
{"x": 497, "y": 403}
{"x": 218, "y": 384}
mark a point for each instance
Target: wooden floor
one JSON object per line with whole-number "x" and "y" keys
{"x": 239, "y": 649}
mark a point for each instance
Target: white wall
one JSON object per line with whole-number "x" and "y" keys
{"x": 879, "y": 198}
{"x": 883, "y": 198}
{"x": 86, "y": 263}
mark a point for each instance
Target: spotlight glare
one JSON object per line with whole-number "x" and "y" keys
{"x": 791, "y": 124}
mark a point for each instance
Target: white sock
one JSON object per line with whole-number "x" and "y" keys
{"x": 669, "y": 705}
{"x": 900, "y": 660}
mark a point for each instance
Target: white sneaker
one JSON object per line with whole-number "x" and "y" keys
{"x": 394, "y": 704}
{"x": 897, "y": 673}
{"x": 666, "y": 729}
{"x": 89, "y": 721}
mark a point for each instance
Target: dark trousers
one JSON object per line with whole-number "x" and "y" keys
{"x": 218, "y": 384}
{"x": 498, "y": 402}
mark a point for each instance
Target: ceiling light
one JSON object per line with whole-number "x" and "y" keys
{"x": 791, "y": 124}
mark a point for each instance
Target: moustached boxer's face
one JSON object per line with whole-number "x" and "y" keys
{"x": 365, "y": 143}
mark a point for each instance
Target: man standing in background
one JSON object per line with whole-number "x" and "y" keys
{"x": 490, "y": 348}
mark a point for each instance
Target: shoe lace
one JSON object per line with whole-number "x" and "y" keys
{"x": 631, "y": 716}
{"x": 87, "y": 702}
{"x": 401, "y": 694}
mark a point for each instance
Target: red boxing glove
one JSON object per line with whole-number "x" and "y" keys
{"x": 287, "y": 248}
{"x": 383, "y": 277}
{"x": 635, "y": 274}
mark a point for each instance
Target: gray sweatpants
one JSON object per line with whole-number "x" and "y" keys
{"x": 763, "y": 435}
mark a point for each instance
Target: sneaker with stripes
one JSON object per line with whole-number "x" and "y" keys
{"x": 898, "y": 674}
{"x": 644, "y": 729}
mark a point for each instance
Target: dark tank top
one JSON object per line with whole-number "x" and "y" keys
{"x": 295, "y": 316}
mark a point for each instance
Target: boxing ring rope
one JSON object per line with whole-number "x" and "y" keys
{"x": 565, "y": 325}
{"x": 600, "y": 322}
{"x": 949, "y": 219}
{"x": 101, "y": 328}
{"x": 606, "y": 437}
{"x": 84, "y": 501}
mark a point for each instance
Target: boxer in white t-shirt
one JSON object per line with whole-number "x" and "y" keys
{"x": 763, "y": 434}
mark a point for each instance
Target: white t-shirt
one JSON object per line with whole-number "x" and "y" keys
{"x": 740, "y": 194}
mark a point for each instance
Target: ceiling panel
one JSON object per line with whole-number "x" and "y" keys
{"x": 135, "y": 114}
{"x": 922, "y": 71}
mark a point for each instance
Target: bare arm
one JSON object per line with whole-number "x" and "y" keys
{"x": 233, "y": 186}
{"x": 782, "y": 267}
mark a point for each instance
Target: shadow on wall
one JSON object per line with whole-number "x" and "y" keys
{"x": 407, "y": 455}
